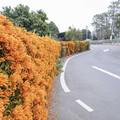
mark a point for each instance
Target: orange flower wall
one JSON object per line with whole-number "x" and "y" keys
{"x": 33, "y": 61}
{"x": 72, "y": 47}
{"x": 27, "y": 70}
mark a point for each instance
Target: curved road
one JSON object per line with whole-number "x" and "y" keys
{"x": 93, "y": 80}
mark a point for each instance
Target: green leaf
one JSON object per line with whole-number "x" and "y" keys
{"x": 20, "y": 101}
{"x": 6, "y": 67}
{"x": 4, "y": 72}
{"x": 3, "y": 65}
{"x": 9, "y": 63}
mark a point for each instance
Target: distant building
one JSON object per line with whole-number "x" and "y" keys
{"x": 61, "y": 36}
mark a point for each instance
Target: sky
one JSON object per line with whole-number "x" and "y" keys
{"x": 65, "y": 13}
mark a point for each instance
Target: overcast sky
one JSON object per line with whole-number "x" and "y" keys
{"x": 65, "y": 13}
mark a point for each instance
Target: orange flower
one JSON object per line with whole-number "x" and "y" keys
{"x": 2, "y": 59}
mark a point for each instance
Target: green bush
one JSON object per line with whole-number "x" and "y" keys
{"x": 58, "y": 67}
{"x": 88, "y": 45}
{"x": 62, "y": 51}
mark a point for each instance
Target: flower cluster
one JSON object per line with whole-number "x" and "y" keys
{"x": 27, "y": 69}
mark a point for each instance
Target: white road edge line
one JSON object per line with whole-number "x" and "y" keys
{"x": 84, "y": 106}
{"x": 107, "y": 72}
{"x": 106, "y": 50}
{"x": 62, "y": 77}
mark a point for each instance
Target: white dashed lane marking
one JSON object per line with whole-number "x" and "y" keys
{"x": 107, "y": 72}
{"x": 106, "y": 50}
{"x": 84, "y": 106}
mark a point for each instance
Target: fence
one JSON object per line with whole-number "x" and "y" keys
{"x": 107, "y": 41}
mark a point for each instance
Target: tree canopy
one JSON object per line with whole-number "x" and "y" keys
{"x": 117, "y": 22}
{"x": 53, "y": 29}
{"x": 101, "y": 24}
{"x": 73, "y": 34}
{"x": 84, "y": 31}
{"x": 32, "y": 21}
{"x": 104, "y": 24}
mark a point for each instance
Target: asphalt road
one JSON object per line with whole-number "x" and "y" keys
{"x": 93, "y": 80}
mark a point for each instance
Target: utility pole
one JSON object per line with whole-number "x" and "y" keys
{"x": 112, "y": 27}
{"x": 86, "y": 32}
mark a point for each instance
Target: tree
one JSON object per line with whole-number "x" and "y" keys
{"x": 84, "y": 34}
{"x": 106, "y": 23}
{"x": 113, "y": 9}
{"x": 32, "y": 21}
{"x": 101, "y": 24}
{"x": 7, "y": 11}
{"x": 53, "y": 29}
{"x": 38, "y": 23}
{"x": 73, "y": 34}
{"x": 117, "y": 22}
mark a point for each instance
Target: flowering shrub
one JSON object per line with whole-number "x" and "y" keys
{"x": 74, "y": 47}
{"x": 27, "y": 68}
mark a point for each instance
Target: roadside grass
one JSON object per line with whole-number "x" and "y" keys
{"x": 59, "y": 66}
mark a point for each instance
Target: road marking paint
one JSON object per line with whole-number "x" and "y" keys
{"x": 63, "y": 84}
{"x": 107, "y": 72}
{"x": 62, "y": 77}
{"x": 106, "y": 50}
{"x": 84, "y": 106}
